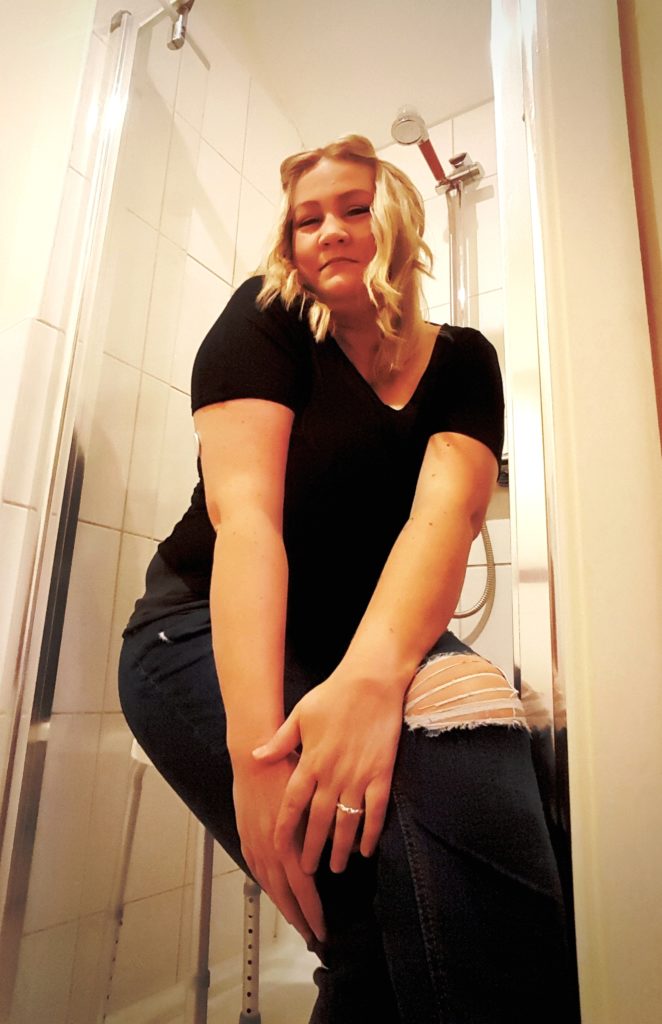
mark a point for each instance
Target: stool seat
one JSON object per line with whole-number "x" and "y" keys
{"x": 138, "y": 754}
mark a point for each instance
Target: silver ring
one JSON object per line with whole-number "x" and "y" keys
{"x": 349, "y": 810}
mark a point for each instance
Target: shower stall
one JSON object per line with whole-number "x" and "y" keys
{"x": 181, "y": 190}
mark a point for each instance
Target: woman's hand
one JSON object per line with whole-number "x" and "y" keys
{"x": 348, "y": 729}
{"x": 258, "y": 793}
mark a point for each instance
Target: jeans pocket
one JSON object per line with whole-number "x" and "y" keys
{"x": 185, "y": 627}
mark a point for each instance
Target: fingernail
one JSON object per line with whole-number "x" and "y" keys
{"x": 259, "y": 751}
{"x": 321, "y": 935}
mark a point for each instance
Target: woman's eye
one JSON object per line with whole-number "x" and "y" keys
{"x": 307, "y": 222}
{"x": 355, "y": 211}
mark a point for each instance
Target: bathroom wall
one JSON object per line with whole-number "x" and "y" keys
{"x": 194, "y": 199}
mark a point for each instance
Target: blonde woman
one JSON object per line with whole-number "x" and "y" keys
{"x": 369, "y": 770}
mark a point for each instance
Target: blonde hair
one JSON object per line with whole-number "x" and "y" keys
{"x": 393, "y": 276}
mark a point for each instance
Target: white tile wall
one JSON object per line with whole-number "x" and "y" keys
{"x": 439, "y": 314}
{"x": 146, "y": 138}
{"x": 58, "y": 862}
{"x": 486, "y": 313}
{"x": 226, "y": 938}
{"x": 127, "y": 283}
{"x": 108, "y": 805}
{"x": 213, "y": 232}
{"x": 148, "y": 949}
{"x": 156, "y": 67}
{"x": 85, "y": 994}
{"x": 178, "y": 465}
{"x": 135, "y": 555}
{"x": 162, "y": 824}
{"x": 164, "y": 308}
{"x": 181, "y": 183}
{"x": 109, "y": 451}
{"x": 81, "y": 673}
{"x": 144, "y": 469}
{"x": 496, "y": 640}
{"x": 436, "y": 289}
{"x": 226, "y": 105}
{"x": 270, "y": 137}
{"x": 499, "y": 530}
{"x": 191, "y": 88}
{"x": 474, "y": 134}
{"x": 44, "y": 976}
{"x": 483, "y": 203}
{"x": 204, "y": 295}
{"x": 257, "y": 218}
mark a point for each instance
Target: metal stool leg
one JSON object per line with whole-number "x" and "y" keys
{"x": 250, "y": 1010}
{"x": 139, "y": 762}
{"x": 198, "y": 993}
{"x": 196, "y": 999}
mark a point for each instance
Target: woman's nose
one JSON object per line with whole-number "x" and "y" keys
{"x": 332, "y": 230}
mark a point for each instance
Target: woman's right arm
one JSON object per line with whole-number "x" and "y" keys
{"x": 243, "y": 449}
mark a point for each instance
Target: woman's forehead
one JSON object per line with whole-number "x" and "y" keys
{"x": 330, "y": 176}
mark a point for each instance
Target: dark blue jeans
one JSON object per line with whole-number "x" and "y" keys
{"x": 457, "y": 919}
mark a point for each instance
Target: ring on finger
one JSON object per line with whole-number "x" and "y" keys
{"x": 346, "y": 809}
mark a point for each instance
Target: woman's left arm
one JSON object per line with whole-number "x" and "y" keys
{"x": 349, "y": 725}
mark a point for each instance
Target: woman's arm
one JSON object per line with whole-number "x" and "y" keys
{"x": 350, "y": 725}
{"x": 421, "y": 583}
{"x": 243, "y": 449}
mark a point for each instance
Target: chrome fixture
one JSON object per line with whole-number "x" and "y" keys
{"x": 178, "y": 37}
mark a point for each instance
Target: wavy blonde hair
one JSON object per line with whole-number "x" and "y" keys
{"x": 393, "y": 276}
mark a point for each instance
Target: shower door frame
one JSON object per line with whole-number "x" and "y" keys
{"x": 40, "y": 641}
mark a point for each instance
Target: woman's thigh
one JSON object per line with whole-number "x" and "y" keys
{"x": 468, "y": 894}
{"x": 171, "y": 699}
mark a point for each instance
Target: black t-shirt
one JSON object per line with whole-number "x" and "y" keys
{"x": 352, "y": 467}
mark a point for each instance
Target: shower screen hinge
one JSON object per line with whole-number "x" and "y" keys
{"x": 116, "y": 20}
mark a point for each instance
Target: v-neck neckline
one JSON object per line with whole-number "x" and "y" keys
{"x": 398, "y": 410}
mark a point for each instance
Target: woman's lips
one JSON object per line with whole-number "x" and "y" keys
{"x": 337, "y": 259}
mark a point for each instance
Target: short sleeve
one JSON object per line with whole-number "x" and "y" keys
{"x": 252, "y": 353}
{"x": 472, "y": 389}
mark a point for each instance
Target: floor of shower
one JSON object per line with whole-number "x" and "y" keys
{"x": 287, "y": 991}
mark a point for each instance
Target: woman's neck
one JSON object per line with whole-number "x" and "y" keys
{"x": 363, "y": 344}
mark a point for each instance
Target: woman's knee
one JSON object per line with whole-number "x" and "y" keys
{"x": 461, "y": 691}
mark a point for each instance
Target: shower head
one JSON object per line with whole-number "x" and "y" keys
{"x": 409, "y": 127}
{"x": 179, "y": 14}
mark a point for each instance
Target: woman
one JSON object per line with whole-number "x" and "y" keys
{"x": 348, "y": 450}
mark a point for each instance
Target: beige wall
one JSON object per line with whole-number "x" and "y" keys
{"x": 604, "y": 459}
{"x": 641, "y": 42}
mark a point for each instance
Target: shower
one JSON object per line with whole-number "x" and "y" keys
{"x": 408, "y": 129}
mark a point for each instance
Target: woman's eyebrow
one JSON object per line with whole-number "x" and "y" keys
{"x": 351, "y": 193}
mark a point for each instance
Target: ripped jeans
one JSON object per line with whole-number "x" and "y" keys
{"x": 458, "y": 918}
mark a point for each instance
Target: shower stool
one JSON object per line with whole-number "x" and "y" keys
{"x": 197, "y": 993}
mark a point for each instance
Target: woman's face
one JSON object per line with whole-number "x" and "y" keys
{"x": 332, "y": 240}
